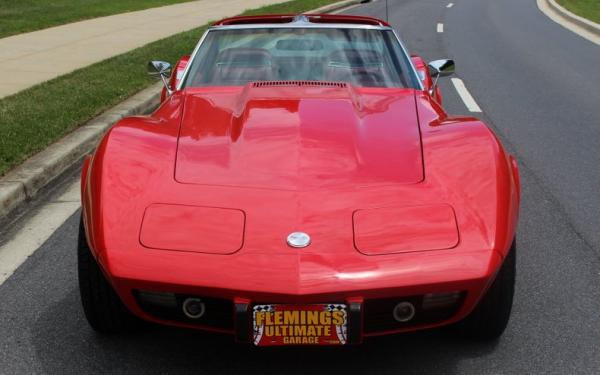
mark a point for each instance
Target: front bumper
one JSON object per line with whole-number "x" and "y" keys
{"x": 370, "y": 295}
{"x": 365, "y": 318}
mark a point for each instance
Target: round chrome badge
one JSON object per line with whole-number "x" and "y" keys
{"x": 298, "y": 239}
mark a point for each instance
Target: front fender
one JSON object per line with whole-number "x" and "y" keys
{"x": 135, "y": 154}
{"x": 465, "y": 158}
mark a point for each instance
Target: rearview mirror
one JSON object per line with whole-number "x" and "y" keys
{"x": 161, "y": 69}
{"x": 439, "y": 68}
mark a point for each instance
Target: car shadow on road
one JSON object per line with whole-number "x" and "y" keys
{"x": 64, "y": 343}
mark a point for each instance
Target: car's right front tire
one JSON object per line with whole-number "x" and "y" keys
{"x": 102, "y": 306}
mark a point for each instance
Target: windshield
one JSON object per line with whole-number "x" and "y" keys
{"x": 362, "y": 57}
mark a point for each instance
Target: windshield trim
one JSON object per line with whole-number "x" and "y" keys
{"x": 300, "y": 25}
{"x": 412, "y": 73}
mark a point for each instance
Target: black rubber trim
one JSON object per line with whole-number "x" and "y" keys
{"x": 355, "y": 332}
{"x": 242, "y": 322}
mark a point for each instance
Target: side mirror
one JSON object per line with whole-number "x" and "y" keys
{"x": 161, "y": 69}
{"x": 176, "y": 76}
{"x": 440, "y": 68}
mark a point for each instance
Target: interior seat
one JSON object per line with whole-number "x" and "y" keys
{"x": 361, "y": 67}
{"x": 238, "y": 66}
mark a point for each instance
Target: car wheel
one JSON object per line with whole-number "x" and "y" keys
{"x": 490, "y": 317}
{"x": 102, "y": 306}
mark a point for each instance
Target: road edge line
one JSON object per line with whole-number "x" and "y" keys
{"x": 37, "y": 231}
{"x": 581, "y": 26}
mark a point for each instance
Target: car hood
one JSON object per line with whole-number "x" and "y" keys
{"x": 299, "y": 138}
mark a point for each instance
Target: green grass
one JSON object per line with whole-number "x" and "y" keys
{"x": 589, "y": 9}
{"x": 19, "y": 16}
{"x": 33, "y": 119}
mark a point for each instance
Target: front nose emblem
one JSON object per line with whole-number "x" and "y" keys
{"x": 298, "y": 239}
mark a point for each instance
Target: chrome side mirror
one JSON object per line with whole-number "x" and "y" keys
{"x": 161, "y": 69}
{"x": 440, "y": 68}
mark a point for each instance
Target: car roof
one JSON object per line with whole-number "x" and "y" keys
{"x": 302, "y": 19}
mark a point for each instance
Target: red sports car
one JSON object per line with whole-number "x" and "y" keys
{"x": 300, "y": 184}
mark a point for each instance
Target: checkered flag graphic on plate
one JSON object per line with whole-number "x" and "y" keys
{"x": 267, "y": 308}
{"x": 259, "y": 331}
{"x": 340, "y": 330}
{"x": 335, "y": 307}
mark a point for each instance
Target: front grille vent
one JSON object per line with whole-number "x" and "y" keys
{"x": 299, "y": 83}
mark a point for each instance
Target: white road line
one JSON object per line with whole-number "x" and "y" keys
{"x": 450, "y": 5}
{"x": 37, "y": 230}
{"x": 464, "y": 94}
{"x": 440, "y": 27}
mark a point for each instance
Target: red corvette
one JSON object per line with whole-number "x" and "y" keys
{"x": 300, "y": 184}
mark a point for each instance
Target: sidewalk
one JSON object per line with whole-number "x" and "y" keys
{"x": 32, "y": 58}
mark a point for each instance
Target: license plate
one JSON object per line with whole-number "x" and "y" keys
{"x": 322, "y": 324}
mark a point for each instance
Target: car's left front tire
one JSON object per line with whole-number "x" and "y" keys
{"x": 490, "y": 317}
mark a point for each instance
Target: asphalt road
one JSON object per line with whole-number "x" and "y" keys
{"x": 539, "y": 88}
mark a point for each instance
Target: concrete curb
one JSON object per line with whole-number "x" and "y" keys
{"x": 569, "y": 20}
{"x": 23, "y": 182}
{"x": 582, "y": 22}
{"x": 337, "y": 6}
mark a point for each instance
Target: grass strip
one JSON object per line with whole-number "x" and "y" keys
{"x": 589, "y": 9}
{"x": 34, "y": 118}
{"x": 20, "y": 16}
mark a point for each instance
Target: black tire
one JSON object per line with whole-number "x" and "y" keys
{"x": 490, "y": 317}
{"x": 103, "y": 308}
